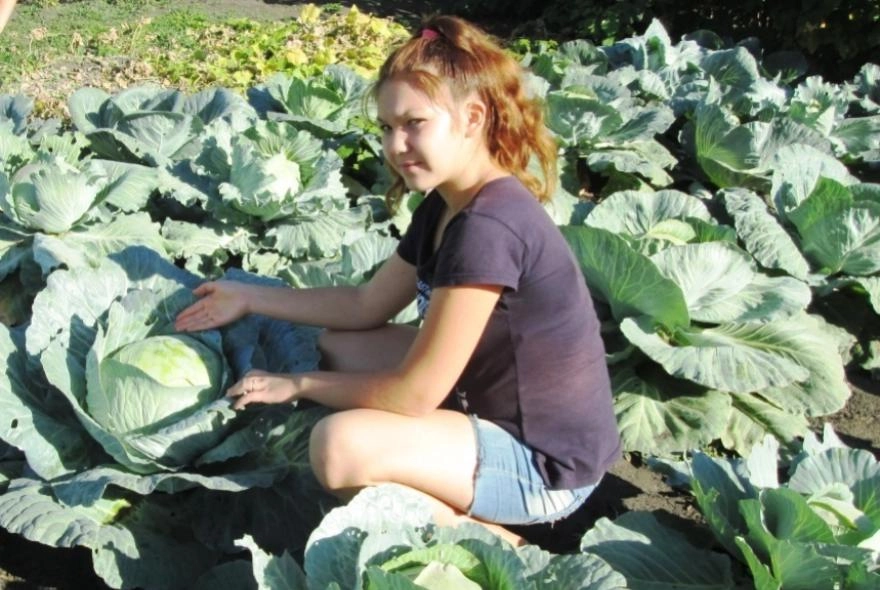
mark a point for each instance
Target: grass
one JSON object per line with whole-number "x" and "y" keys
{"x": 41, "y": 32}
{"x": 49, "y": 50}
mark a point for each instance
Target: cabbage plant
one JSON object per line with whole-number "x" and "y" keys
{"x": 813, "y": 525}
{"x": 124, "y": 426}
{"x": 151, "y": 125}
{"x": 708, "y": 344}
{"x": 385, "y": 538}
{"x": 809, "y": 522}
{"x": 59, "y": 209}
{"x": 152, "y": 399}
{"x": 107, "y": 352}
{"x": 325, "y": 104}
{"x": 270, "y": 193}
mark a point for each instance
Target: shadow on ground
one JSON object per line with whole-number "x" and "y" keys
{"x": 406, "y": 12}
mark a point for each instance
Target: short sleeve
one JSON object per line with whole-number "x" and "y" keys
{"x": 479, "y": 250}
{"x": 424, "y": 217}
{"x": 407, "y": 248}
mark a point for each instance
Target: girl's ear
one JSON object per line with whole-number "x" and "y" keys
{"x": 476, "y": 113}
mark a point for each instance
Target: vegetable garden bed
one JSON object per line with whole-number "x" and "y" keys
{"x": 727, "y": 220}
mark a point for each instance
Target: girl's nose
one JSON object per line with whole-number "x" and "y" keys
{"x": 395, "y": 141}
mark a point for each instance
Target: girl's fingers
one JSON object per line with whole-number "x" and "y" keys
{"x": 187, "y": 316}
{"x": 197, "y": 316}
{"x": 203, "y": 289}
{"x": 241, "y": 402}
{"x": 192, "y": 314}
{"x": 246, "y": 397}
{"x": 238, "y": 394}
{"x": 246, "y": 391}
{"x": 236, "y": 390}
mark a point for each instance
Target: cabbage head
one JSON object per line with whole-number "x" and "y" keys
{"x": 49, "y": 195}
{"x": 152, "y": 381}
{"x": 277, "y": 172}
{"x": 264, "y": 182}
{"x": 153, "y": 399}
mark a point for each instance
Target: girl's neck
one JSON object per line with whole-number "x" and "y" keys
{"x": 459, "y": 193}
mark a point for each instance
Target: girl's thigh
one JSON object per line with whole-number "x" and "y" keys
{"x": 365, "y": 350}
{"x": 435, "y": 454}
{"x": 468, "y": 464}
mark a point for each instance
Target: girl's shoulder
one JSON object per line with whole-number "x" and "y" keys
{"x": 505, "y": 187}
{"x": 508, "y": 200}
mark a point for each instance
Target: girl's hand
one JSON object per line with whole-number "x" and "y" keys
{"x": 221, "y": 302}
{"x": 262, "y": 387}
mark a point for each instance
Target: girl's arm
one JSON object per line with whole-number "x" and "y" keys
{"x": 452, "y": 328}
{"x": 340, "y": 308}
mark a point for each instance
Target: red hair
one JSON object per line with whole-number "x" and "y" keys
{"x": 451, "y": 52}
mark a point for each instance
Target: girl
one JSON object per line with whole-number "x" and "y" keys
{"x": 498, "y": 408}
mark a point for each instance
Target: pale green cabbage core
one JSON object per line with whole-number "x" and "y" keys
{"x": 286, "y": 174}
{"x": 147, "y": 383}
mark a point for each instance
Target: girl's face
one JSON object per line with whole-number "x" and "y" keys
{"x": 424, "y": 141}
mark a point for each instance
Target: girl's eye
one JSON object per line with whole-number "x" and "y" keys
{"x": 414, "y": 122}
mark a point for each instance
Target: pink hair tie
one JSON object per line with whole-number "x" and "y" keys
{"x": 429, "y": 34}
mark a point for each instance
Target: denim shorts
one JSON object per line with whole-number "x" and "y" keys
{"x": 508, "y": 488}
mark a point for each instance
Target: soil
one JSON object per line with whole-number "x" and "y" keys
{"x": 630, "y": 485}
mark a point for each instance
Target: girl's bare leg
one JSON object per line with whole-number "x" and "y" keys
{"x": 434, "y": 454}
{"x": 446, "y": 515}
{"x": 365, "y": 350}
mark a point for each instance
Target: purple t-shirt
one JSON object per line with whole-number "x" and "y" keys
{"x": 539, "y": 368}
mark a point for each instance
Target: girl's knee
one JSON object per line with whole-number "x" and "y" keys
{"x": 319, "y": 441}
{"x": 334, "y": 453}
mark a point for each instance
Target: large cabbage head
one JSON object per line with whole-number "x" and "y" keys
{"x": 154, "y": 381}
{"x": 264, "y": 181}
{"x": 152, "y": 398}
{"x": 156, "y": 395}
{"x": 49, "y": 196}
{"x": 276, "y": 170}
